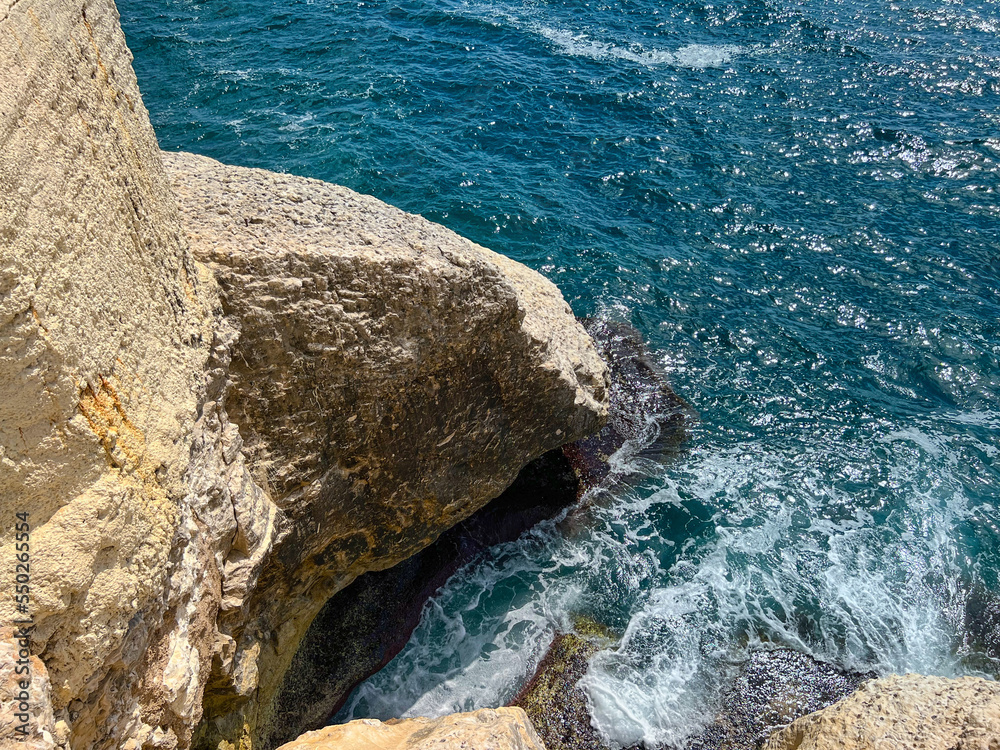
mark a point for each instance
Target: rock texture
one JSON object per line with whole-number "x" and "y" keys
{"x": 486, "y": 729}
{"x": 646, "y": 417}
{"x": 26, "y": 720}
{"x": 388, "y": 378}
{"x": 364, "y": 626}
{"x": 360, "y": 629}
{"x": 772, "y": 689}
{"x": 910, "y": 711}
{"x": 104, "y": 323}
{"x": 553, "y": 699}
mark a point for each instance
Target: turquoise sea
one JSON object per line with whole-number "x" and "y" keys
{"x": 797, "y": 202}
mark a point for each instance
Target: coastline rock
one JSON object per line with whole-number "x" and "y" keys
{"x": 772, "y": 689}
{"x": 908, "y": 711}
{"x": 26, "y": 720}
{"x": 388, "y": 378}
{"x": 104, "y": 320}
{"x": 363, "y": 627}
{"x": 486, "y": 729}
{"x": 360, "y": 629}
{"x": 552, "y": 699}
{"x": 645, "y": 415}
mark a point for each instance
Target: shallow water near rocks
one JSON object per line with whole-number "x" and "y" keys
{"x": 795, "y": 202}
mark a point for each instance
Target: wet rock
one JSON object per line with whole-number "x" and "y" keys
{"x": 982, "y": 630}
{"x": 644, "y": 413}
{"x": 553, "y": 701}
{"x": 772, "y": 689}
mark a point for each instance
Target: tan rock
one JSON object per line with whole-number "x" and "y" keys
{"x": 389, "y": 378}
{"x": 909, "y": 711}
{"x": 104, "y": 323}
{"x": 486, "y": 729}
{"x": 26, "y": 720}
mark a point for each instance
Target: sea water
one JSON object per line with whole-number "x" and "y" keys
{"x": 796, "y": 203}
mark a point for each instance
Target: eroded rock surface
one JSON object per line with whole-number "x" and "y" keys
{"x": 364, "y": 626}
{"x": 909, "y": 711}
{"x": 26, "y": 720}
{"x": 104, "y": 323}
{"x": 486, "y": 729}
{"x": 772, "y": 689}
{"x": 388, "y": 378}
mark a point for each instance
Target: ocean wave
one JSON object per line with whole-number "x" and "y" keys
{"x": 696, "y": 56}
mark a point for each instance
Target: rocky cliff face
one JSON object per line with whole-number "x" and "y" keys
{"x": 203, "y": 463}
{"x": 388, "y": 378}
{"x": 104, "y": 320}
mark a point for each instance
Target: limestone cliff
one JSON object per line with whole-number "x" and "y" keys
{"x": 388, "y": 378}
{"x": 205, "y": 463}
{"x": 104, "y": 322}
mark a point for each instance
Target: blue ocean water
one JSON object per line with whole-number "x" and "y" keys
{"x": 795, "y": 201}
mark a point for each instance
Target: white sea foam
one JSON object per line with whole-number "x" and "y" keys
{"x": 847, "y": 548}
{"x": 864, "y": 594}
{"x": 688, "y": 56}
{"x": 477, "y": 641}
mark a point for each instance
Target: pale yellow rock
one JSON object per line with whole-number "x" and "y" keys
{"x": 104, "y": 325}
{"x": 486, "y": 729}
{"x": 909, "y": 712}
{"x": 26, "y": 720}
{"x": 388, "y": 378}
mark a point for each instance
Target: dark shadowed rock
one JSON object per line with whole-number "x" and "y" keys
{"x": 774, "y": 688}
{"x": 644, "y": 411}
{"x": 982, "y": 629}
{"x": 363, "y": 627}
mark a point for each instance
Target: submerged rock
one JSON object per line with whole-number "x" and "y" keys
{"x": 772, "y": 689}
{"x": 644, "y": 412}
{"x": 909, "y": 711}
{"x": 486, "y": 729}
{"x": 552, "y": 699}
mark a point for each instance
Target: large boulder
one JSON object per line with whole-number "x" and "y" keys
{"x": 388, "y": 378}
{"x": 909, "y": 711}
{"x": 364, "y": 626}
